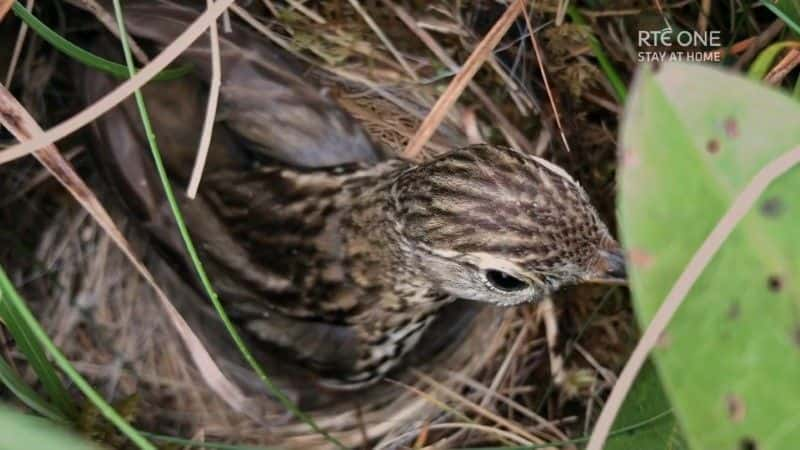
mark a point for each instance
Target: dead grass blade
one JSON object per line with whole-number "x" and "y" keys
{"x": 783, "y": 68}
{"x": 20, "y": 123}
{"x": 5, "y": 6}
{"x": 540, "y": 61}
{"x": 211, "y": 109}
{"x": 510, "y": 132}
{"x": 760, "y": 42}
{"x": 462, "y": 78}
{"x": 740, "y": 206}
{"x": 547, "y": 312}
{"x": 168, "y": 55}
{"x": 102, "y": 16}
{"x": 384, "y": 39}
{"x": 468, "y": 426}
{"x": 23, "y": 31}
{"x": 542, "y": 422}
{"x": 481, "y": 410}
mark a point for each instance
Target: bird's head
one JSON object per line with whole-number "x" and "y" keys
{"x": 492, "y": 224}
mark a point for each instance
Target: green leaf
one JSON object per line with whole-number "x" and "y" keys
{"x": 764, "y": 60}
{"x": 28, "y": 322}
{"x": 20, "y": 431}
{"x": 83, "y": 56}
{"x": 786, "y": 10}
{"x": 692, "y": 138}
{"x": 796, "y": 90}
{"x": 620, "y": 91}
{"x": 26, "y": 395}
{"x": 646, "y": 399}
{"x": 30, "y": 347}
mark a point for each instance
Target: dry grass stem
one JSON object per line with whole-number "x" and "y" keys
{"x": 541, "y": 421}
{"x": 121, "y": 92}
{"x": 457, "y": 85}
{"x": 110, "y": 23}
{"x": 540, "y": 61}
{"x": 211, "y": 109}
{"x": 788, "y": 63}
{"x": 480, "y": 410}
{"x": 547, "y": 312}
{"x": 17, "y": 120}
{"x": 298, "y": 5}
{"x": 5, "y": 6}
{"x": 702, "y": 16}
{"x": 510, "y": 132}
{"x": 261, "y": 28}
{"x": 503, "y": 370}
{"x": 760, "y": 42}
{"x": 384, "y": 39}
{"x": 23, "y": 31}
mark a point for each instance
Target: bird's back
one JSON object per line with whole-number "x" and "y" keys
{"x": 267, "y": 239}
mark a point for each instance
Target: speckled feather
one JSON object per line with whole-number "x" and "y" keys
{"x": 344, "y": 266}
{"x": 346, "y": 245}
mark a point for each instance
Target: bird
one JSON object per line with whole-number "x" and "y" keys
{"x": 302, "y": 220}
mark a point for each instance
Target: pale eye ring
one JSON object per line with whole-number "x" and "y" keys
{"x": 504, "y": 282}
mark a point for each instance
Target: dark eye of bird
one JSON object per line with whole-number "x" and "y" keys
{"x": 504, "y": 281}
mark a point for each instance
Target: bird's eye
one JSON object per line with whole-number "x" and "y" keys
{"x": 505, "y": 282}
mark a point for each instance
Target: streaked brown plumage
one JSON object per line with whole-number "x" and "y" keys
{"x": 362, "y": 254}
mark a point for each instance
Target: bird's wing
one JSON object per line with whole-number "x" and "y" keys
{"x": 266, "y": 96}
{"x": 241, "y": 269}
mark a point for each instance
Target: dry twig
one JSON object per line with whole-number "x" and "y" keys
{"x": 460, "y": 81}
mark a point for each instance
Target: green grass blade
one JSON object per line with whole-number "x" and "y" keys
{"x": 608, "y": 69}
{"x": 81, "y": 55}
{"x": 26, "y": 395}
{"x": 763, "y": 62}
{"x": 25, "y": 432}
{"x": 786, "y": 18}
{"x": 26, "y": 317}
{"x": 190, "y": 248}
{"x": 796, "y": 90}
{"x": 35, "y": 354}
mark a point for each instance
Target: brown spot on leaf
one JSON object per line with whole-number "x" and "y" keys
{"x": 664, "y": 341}
{"x": 712, "y": 146}
{"x": 748, "y": 443}
{"x": 13, "y": 121}
{"x": 734, "y": 310}
{"x": 736, "y": 408}
{"x": 640, "y": 258}
{"x": 775, "y": 283}
{"x": 796, "y": 336}
{"x": 772, "y": 207}
{"x": 655, "y": 66}
{"x": 631, "y": 158}
{"x": 731, "y": 127}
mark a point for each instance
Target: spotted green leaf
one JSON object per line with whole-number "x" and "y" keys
{"x": 646, "y": 402}
{"x": 692, "y": 138}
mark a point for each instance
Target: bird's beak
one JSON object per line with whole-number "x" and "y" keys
{"x": 611, "y": 268}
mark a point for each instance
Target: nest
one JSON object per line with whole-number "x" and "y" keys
{"x": 526, "y": 375}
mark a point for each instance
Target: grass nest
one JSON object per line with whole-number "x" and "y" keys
{"x": 521, "y": 376}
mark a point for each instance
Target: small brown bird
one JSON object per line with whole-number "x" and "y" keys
{"x": 358, "y": 251}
